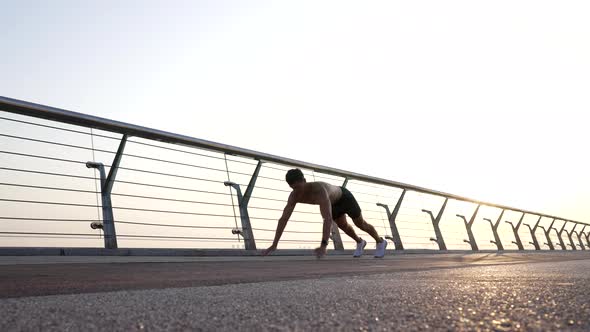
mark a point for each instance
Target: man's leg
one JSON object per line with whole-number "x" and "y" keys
{"x": 365, "y": 226}
{"x": 343, "y": 225}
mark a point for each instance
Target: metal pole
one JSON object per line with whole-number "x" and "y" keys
{"x": 468, "y": 225}
{"x": 106, "y": 187}
{"x": 533, "y": 236}
{"x": 395, "y": 236}
{"x": 569, "y": 236}
{"x": 561, "y": 243}
{"x": 518, "y": 242}
{"x": 497, "y": 241}
{"x": 435, "y": 223}
{"x": 246, "y": 231}
{"x": 548, "y": 235}
{"x": 580, "y": 235}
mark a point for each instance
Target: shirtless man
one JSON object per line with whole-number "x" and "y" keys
{"x": 334, "y": 203}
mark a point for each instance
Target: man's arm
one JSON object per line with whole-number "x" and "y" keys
{"x": 326, "y": 212}
{"x": 291, "y": 202}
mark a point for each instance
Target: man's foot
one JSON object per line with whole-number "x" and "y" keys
{"x": 380, "y": 250}
{"x": 360, "y": 248}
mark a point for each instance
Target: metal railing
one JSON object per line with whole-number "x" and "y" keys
{"x": 62, "y": 171}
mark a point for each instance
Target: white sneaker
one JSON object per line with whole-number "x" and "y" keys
{"x": 360, "y": 248}
{"x": 380, "y": 250}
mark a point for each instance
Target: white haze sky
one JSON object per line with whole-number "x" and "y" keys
{"x": 487, "y": 99}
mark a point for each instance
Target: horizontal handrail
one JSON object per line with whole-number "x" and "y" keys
{"x": 85, "y": 120}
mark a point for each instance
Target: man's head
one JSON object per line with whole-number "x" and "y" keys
{"x": 295, "y": 178}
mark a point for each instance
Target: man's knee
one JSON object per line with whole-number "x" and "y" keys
{"x": 341, "y": 222}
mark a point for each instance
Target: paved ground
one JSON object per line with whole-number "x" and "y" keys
{"x": 407, "y": 292}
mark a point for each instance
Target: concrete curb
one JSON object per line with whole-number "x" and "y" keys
{"x": 32, "y": 251}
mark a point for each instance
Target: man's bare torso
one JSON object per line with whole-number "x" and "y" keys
{"x": 312, "y": 193}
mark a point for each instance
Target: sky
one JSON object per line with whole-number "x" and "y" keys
{"x": 476, "y": 98}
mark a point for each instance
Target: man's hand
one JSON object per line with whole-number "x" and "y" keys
{"x": 320, "y": 251}
{"x": 269, "y": 250}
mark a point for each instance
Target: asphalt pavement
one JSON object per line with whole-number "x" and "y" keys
{"x": 501, "y": 292}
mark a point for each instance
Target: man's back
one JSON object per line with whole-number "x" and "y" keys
{"x": 312, "y": 192}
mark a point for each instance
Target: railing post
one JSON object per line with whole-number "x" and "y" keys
{"x": 533, "y": 236}
{"x": 468, "y": 225}
{"x": 246, "y": 231}
{"x": 561, "y": 243}
{"x": 569, "y": 236}
{"x": 345, "y": 183}
{"x": 395, "y": 236}
{"x": 518, "y": 242}
{"x": 106, "y": 187}
{"x": 580, "y": 236}
{"x": 435, "y": 223}
{"x": 547, "y": 232}
{"x": 497, "y": 241}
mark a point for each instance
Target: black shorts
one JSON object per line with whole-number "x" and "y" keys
{"x": 346, "y": 204}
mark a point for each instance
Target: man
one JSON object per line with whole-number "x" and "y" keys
{"x": 334, "y": 203}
